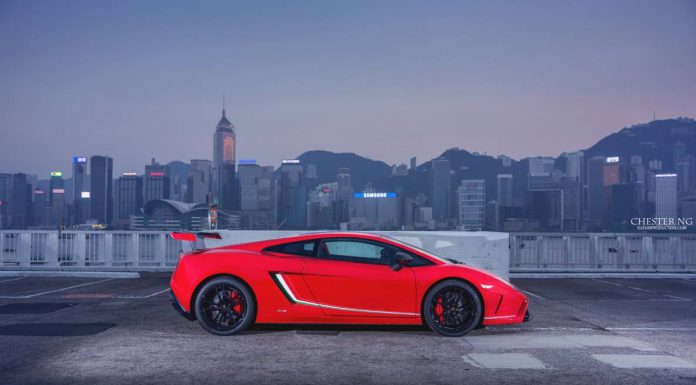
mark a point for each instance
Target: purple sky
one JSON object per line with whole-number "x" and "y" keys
{"x": 387, "y": 79}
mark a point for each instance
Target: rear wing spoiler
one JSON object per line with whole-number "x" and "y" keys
{"x": 194, "y": 238}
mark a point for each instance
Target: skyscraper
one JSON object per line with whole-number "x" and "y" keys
{"x": 505, "y": 189}
{"x": 57, "y": 184}
{"x": 39, "y": 208}
{"x": 101, "y": 189}
{"x": 612, "y": 174}
{"x": 5, "y": 197}
{"x": 504, "y": 196}
{"x": 595, "y": 190}
{"x": 21, "y": 201}
{"x": 80, "y": 208}
{"x": 666, "y": 196}
{"x": 199, "y": 181}
{"x": 129, "y": 197}
{"x": 255, "y": 187}
{"x": 293, "y": 195}
{"x": 472, "y": 204}
{"x": 224, "y": 158}
{"x": 57, "y": 199}
{"x": 344, "y": 195}
{"x": 574, "y": 163}
{"x": 441, "y": 186}
{"x": 157, "y": 182}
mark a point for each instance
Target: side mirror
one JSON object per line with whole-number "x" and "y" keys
{"x": 401, "y": 259}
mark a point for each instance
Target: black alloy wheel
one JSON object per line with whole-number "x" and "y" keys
{"x": 452, "y": 308}
{"x": 224, "y": 306}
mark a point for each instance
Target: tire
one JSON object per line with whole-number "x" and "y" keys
{"x": 452, "y": 308}
{"x": 224, "y": 306}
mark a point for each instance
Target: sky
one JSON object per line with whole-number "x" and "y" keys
{"x": 384, "y": 79}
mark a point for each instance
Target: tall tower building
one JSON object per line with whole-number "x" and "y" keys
{"x": 57, "y": 199}
{"x": 293, "y": 196}
{"x": 344, "y": 195}
{"x": 574, "y": 163}
{"x": 198, "y": 181}
{"x": 79, "y": 201}
{"x": 21, "y": 201}
{"x": 101, "y": 189}
{"x": 666, "y": 196}
{"x": 156, "y": 182}
{"x": 129, "y": 197}
{"x": 595, "y": 190}
{"x": 5, "y": 197}
{"x": 472, "y": 204}
{"x": 504, "y": 195}
{"x": 441, "y": 185}
{"x": 224, "y": 159}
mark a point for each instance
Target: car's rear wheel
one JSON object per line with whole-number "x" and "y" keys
{"x": 224, "y": 306}
{"x": 452, "y": 308}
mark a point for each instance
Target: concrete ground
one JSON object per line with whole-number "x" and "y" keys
{"x": 584, "y": 331}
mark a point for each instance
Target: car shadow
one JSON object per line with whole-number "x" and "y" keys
{"x": 329, "y": 330}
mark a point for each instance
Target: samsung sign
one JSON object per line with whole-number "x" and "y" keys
{"x": 79, "y": 159}
{"x": 374, "y": 195}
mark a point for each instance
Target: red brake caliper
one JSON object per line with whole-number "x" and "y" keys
{"x": 439, "y": 314}
{"x": 237, "y": 301}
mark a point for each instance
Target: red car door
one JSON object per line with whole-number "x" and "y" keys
{"x": 353, "y": 277}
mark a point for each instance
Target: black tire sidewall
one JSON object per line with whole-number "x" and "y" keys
{"x": 244, "y": 290}
{"x": 427, "y": 307}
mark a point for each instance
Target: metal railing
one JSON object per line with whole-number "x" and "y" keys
{"x": 602, "y": 251}
{"x": 89, "y": 250}
{"x": 156, "y": 251}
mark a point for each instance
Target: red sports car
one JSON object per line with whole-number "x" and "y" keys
{"x": 338, "y": 278}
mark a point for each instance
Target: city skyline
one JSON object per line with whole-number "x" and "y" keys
{"x": 67, "y": 169}
{"x": 647, "y": 169}
{"x": 135, "y": 81}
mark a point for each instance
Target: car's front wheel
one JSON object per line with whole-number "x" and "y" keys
{"x": 452, "y": 308}
{"x": 224, "y": 306}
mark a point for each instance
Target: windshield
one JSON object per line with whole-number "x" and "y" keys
{"x": 429, "y": 254}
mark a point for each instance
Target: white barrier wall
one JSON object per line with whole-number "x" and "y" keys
{"x": 486, "y": 250}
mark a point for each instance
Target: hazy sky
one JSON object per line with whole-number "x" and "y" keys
{"x": 384, "y": 79}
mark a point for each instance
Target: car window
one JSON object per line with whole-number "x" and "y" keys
{"x": 305, "y": 249}
{"x": 357, "y": 251}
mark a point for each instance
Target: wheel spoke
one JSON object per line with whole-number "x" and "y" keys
{"x": 223, "y": 306}
{"x": 453, "y": 309}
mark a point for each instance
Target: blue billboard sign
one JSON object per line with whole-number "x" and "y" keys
{"x": 374, "y": 195}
